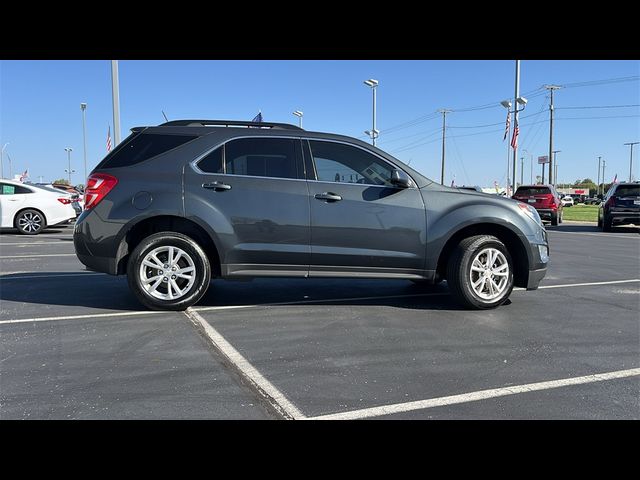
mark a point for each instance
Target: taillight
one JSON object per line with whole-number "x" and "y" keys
{"x": 64, "y": 201}
{"x": 98, "y": 185}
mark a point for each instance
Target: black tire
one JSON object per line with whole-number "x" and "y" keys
{"x": 30, "y": 222}
{"x": 459, "y": 275}
{"x": 607, "y": 223}
{"x": 599, "y": 222}
{"x": 554, "y": 219}
{"x": 201, "y": 264}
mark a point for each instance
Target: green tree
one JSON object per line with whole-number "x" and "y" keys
{"x": 61, "y": 181}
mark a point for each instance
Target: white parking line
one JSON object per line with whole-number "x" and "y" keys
{"x": 27, "y": 244}
{"x": 264, "y": 386}
{"x": 5, "y": 276}
{"x": 475, "y": 396}
{"x": 37, "y": 256}
{"x": 601, "y": 235}
{"x": 80, "y": 317}
{"x": 612, "y": 282}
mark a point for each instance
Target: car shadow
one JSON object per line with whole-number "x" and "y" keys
{"x": 101, "y": 291}
{"x": 45, "y": 232}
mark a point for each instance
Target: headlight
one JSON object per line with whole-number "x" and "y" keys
{"x": 530, "y": 211}
{"x": 544, "y": 253}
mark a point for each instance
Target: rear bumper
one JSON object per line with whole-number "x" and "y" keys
{"x": 546, "y": 213}
{"x": 625, "y": 217}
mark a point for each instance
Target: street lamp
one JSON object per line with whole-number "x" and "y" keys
{"x": 299, "y": 114}
{"x": 68, "y": 170}
{"x": 373, "y": 133}
{"x": 83, "y": 107}
{"x": 522, "y": 101}
{"x": 1, "y": 165}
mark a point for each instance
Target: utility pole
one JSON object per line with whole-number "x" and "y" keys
{"x": 521, "y": 170}
{"x": 551, "y": 88}
{"x": 1, "y": 165}
{"x": 115, "y": 95}
{"x": 555, "y": 166}
{"x": 604, "y": 164}
{"x": 598, "y": 184}
{"x": 444, "y": 112}
{"x": 631, "y": 158}
{"x": 11, "y": 170}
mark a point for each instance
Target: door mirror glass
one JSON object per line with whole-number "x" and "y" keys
{"x": 400, "y": 179}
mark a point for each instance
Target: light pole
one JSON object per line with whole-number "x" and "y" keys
{"x": 10, "y": 169}
{"x": 507, "y": 104}
{"x": 373, "y": 133}
{"x": 299, "y": 114}
{"x": 598, "y": 184}
{"x": 530, "y": 164}
{"x": 555, "y": 166}
{"x": 521, "y": 170}
{"x": 1, "y": 165}
{"x": 115, "y": 96}
{"x": 604, "y": 164}
{"x": 83, "y": 107}
{"x": 631, "y": 157}
{"x": 551, "y": 88}
{"x": 68, "y": 170}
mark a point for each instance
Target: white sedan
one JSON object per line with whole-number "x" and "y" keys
{"x": 31, "y": 209}
{"x": 567, "y": 201}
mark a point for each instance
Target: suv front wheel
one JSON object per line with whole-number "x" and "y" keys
{"x": 168, "y": 271}
{"x": 480, "y": 272}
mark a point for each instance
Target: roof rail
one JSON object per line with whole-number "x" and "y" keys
{"x": 228, "y": 123}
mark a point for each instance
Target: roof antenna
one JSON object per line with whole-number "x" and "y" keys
{"x": 165, "y": 117}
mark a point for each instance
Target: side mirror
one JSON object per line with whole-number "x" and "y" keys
{"x": 400, "y": 179}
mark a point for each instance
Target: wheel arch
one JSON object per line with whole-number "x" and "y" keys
{"x": 141, "y": 229}
{"x": 15, "y": 217}
{"x": 506, "y": 235}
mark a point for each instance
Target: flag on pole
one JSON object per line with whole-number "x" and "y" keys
{"x": 615, "y": 179}
{"x": 24, "y": 175}
{"x": 506, "y": 128}
{"x": 258, "y": 117}
{"x": 109, "y": 139}
{"x": 516, "y": 132}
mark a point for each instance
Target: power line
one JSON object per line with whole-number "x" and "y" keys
{"x": 598, "y": 106}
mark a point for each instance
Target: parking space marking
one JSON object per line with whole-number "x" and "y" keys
{"x": 588, "y": 284}
{"x": 601, "y": 235}
{"x": 26, "y": 244}
{"x": 37, "y": 256}
{"x": 475, "y": 396}
{"x": 266, "y": 389}
{"x": 6, "y": 276}
{"x": 86, "y": 316}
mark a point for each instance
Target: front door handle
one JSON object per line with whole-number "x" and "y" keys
{"x": 328, "y": 196}
{"x": 217, "y": 186}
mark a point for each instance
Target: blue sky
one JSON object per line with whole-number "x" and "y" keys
{"x": 40, "y": 109}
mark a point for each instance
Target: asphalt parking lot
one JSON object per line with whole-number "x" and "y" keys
{"x": 77, "y": 345}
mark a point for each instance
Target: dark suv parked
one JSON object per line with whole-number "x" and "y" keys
{"x": 177, "y": 204}
{"x": 620, "y": 206}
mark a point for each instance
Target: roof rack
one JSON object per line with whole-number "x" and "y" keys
{"x": 228, "y": 123}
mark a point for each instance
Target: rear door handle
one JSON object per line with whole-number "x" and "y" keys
{"x": 218, "y": 186}
{"x": 328, "y": 196}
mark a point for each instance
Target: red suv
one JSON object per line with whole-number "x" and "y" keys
{"x": 544, "y": 199}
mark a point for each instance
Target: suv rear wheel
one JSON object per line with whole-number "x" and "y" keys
{"x": 480, "y": 272}
{"x": 555, "y": 217}
{"x": 168, "y": 271}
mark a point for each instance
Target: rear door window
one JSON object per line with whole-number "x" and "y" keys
{"x": 262, "y": 157}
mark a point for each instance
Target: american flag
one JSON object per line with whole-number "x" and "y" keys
{"x": 258, "y": 117}
{"x": 24, "y": 175}
{"x": 615, "y": 179}
{"x": 506, "y": 128}
{"x": 109, "y": 139}
{"x": 514, "y": 139}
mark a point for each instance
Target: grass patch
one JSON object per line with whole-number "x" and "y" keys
{"x": 581, "y": 213}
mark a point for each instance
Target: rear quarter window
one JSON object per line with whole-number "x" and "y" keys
{"x": 139, "y": 147}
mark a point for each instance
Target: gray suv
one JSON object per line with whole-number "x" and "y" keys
{"x": 178, "y": 204}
